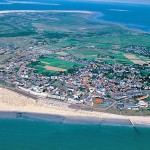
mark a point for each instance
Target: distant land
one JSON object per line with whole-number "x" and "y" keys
{"x": 124, "y": 14}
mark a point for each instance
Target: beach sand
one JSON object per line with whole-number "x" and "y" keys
{"x": 13, "y": 102}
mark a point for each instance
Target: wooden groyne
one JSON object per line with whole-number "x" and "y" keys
{"x": 131, "y": 122}
{"x": 133, "y": 125}
{"x": 62, "y": 121}
{"x": 99, "y": 125}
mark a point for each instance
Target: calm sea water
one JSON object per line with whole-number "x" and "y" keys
{"x": 40, "y": 135}
{"x": 132, "y": 16}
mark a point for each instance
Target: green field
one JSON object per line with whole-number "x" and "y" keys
{"x": 85, "y": 37}
{"x": 59, "y": 63}
{"x": 55, "y": 62}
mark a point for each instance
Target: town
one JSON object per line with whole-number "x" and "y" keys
{"x": 95, "y": 84}
{"x": 84, "y": 63}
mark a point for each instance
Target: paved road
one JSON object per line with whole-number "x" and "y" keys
{"x": 114, "y": 103}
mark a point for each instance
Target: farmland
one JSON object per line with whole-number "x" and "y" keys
{"x": 73, "y": 34}
{"x": 135, "y": 59}
{"x": 54, "y": 68}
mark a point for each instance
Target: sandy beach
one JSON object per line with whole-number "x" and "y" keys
{"x": 13, "y": 102}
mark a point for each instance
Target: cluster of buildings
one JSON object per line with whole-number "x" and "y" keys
{"x": 96, "y": 84}
{"x": 138, "y": 50}
{"x": 2, "y": 51}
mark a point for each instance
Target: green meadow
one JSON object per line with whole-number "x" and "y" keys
{"x": 75, "y": 34}
{"x": 39, "y": 66}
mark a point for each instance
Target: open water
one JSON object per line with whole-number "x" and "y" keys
{"x": 42, "y": 135}
{"x": 130, "y": 15}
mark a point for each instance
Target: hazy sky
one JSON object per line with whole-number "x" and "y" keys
{"x": 124, "y": 1}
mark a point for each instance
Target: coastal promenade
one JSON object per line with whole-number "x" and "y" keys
{"x": 13, "y": 105}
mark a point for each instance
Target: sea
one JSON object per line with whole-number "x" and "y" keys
{"x": 43, "y": 135}
{"x": 133, "y": 16}
{"x": 16, "y": 134}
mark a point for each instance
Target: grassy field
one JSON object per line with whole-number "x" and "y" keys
{"x": 86, "y": 38}
{"x": 107, "y": 56}
{"x": 55, "y": 62}
{"x": 135, "y": 59}
{"x": 48, "y": 66}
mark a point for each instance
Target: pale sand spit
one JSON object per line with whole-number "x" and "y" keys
{"x": 45, "y": 11}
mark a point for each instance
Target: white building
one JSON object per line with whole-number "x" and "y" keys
{"x": 142, "y": 104}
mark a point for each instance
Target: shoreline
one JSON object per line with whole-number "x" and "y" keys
{"x": 60, "y": 119}
{"x": 96, "y": 16}
{"x": 12, "y": 103}
{"x": 64, "y": 119}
